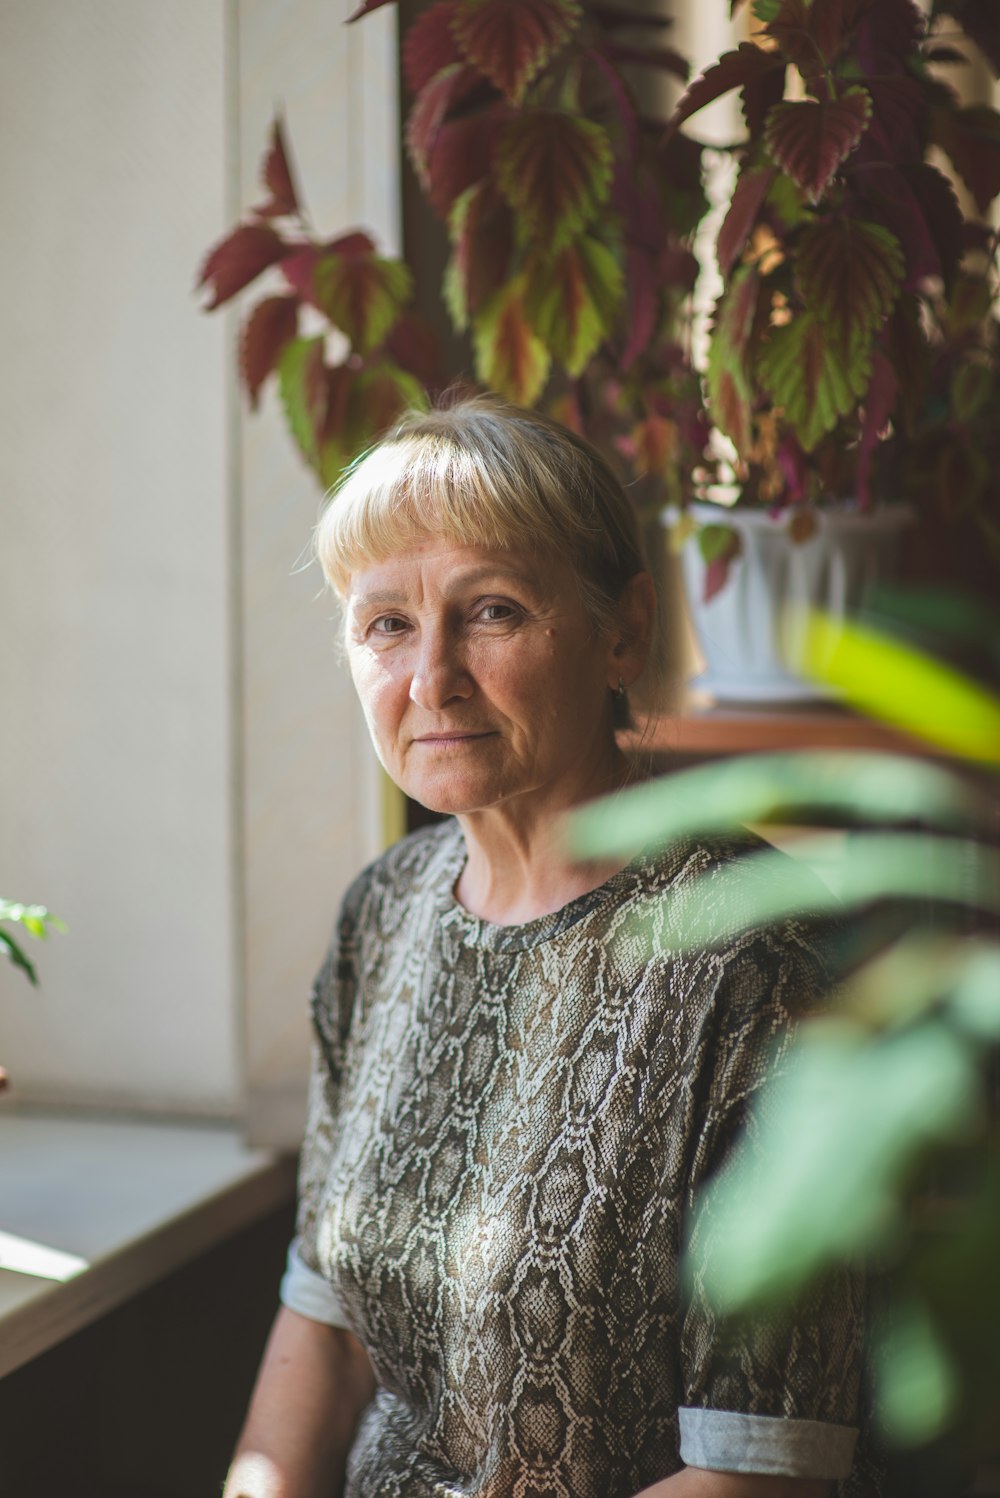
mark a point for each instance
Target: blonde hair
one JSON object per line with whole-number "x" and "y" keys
{"x": 482, "y": 472}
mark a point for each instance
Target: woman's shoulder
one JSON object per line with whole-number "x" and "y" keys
{"x": 421, "y": 860}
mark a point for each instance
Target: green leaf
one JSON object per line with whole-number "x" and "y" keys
{"x": 16, "y": 953}
{"x": 510, "y": 357}
{"x": 555, "y": 171}
{"x": 917, "y": 1384}
{"x": 571, "y": 299}
{"x": 975, "y": 997}
{"x": 850, "y": 274}
{"x": 903, "y": 686}
{"x": 821, "y": 1177}
{"x": 302, "y": 387}
{"x": 730, "y": 389}
{"x": 809, "y": 371}
{"x": 362, "y": 295}
{"x": 718, "y": 798}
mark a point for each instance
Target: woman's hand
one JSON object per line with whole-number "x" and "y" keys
{"x": 696, "y": 1482}
{"x": 313, "y": 1384}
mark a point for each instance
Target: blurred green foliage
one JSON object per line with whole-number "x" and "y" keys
{"x": 877, "y": 1144}
{"x": 37, "y": 921}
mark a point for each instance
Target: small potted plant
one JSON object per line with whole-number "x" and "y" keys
{"x": 853, "y": 359}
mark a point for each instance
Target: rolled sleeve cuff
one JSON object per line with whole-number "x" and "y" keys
{"x": 308, "y": 1293}
{"x": 726, "y": 1441}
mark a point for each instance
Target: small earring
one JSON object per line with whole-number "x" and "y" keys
{"x": 620, "y": 694}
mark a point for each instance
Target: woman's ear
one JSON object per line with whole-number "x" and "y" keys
{"x": 633, "y": 637}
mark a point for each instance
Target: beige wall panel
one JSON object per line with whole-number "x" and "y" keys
{"x": 114, "y": 561}
{"x": 310, "y": 790}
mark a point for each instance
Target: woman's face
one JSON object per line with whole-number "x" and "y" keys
{"x": 482, "y": 678}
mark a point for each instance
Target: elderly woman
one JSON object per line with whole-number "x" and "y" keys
{"x": 518, "y": 1087}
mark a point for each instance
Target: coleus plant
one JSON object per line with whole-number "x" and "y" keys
{"x": 854, "y": 348}
{"x": 570, "y": 216}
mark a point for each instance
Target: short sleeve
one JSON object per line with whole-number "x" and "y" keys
{"x": 304, "y": 1288}
{"x": 778, "y": 1392}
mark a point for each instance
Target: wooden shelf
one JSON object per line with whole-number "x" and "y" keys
{"x": 732, "y": 730}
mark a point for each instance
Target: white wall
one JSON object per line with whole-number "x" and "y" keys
{"x": 182, "y": 775}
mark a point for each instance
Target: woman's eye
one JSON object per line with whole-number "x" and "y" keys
{"x": 496, "y": 613}
{"x": 389, "y": 624}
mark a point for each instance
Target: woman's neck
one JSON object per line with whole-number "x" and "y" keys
{"x": 518, "y": 868}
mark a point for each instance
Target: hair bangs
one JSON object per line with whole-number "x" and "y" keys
{"x": 411, "y": 487}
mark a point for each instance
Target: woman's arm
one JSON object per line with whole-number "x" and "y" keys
{"x": 696, "y": 1482}
{"x": 313, "y": 1384}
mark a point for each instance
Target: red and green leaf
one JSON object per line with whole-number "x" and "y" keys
{"x": 362, "y": 295}
{"x": 271, "y": 325}
{"x": 555, "y": 171}
{"x": 809, "y": 33}
{"x": 810, "y": 139}
{"x": 748, "y": 64}
{"x": 571, "y": 300}
{"x": 970, "y": 138}
{"x": 277, "y": 177}
{"x": 239, "y": 259}
{"x": 850, "y": 274}
{"x": 510, "y": 41}
{"x": 643, "y": 304}
{"x": 813, "y": 375}
{"x": 461, "y": 155}
{"x": 361, "y": 405}
{"x": 430, "y": 44}
{"x": 510, "y": 357}
{"x": 720, "y": 545}
{"x": 423, "y": 126}
{"x": 482, "y": 235}
{"x": 303, "y": 389}
{"x": 748, "y": 198}
{"x": 729, "y": 386}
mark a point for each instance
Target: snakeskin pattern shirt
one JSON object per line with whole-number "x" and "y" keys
{"x": 507, "y": 1127}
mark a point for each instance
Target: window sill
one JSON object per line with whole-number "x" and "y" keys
{"x": 104, "y": 1207}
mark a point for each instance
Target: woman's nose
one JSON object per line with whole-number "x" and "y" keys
{"x": 439, "y": 672}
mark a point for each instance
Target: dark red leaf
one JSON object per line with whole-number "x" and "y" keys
{"x": 889, "y": 31}
{"x": 748, "y": 64}
{"x": 643, "y": 304}
{"x": 430, "y": 45}
{"x": 271, "y": 325}
{"x": 970, "y": 137}
{"x": 447, "y": 88}
{"x": 277, "y": 178}
{"x": 366, "y": 8}
{"x": 880, "y": 403}
{"x": 239, "y": 259}
{"x": 748, "y": 198}
{"x": 809, "y": 140}
{"x": 941, "y": 213}
{"x": 297, "y": 269}
{"x": 760, "y": 94}
{"x": 809, "y": 33}
{"x": 717, "y": 570}
{"x": 510, "y": 41}
{"x": 981, "y": 20}
{"x": 890, "y": 197}
{"x": 357, "y": 242}
{"x": 623, "y": 102}
{"x": 414, "y": 346}
{"x": 649, "y": 57}
{"x": 896, "y": 131}
{"x": 461, "y": 155}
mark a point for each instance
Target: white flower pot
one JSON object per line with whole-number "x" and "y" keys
{"x": 744, "y": 631}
